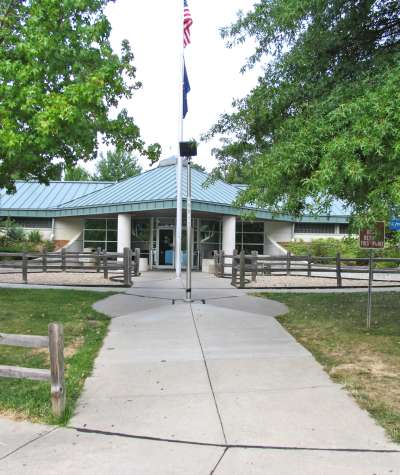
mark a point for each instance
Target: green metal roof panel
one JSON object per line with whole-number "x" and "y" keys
{"x": 158, "y": 184}
{"x": 151, "y": 190}
{"x": 34, "y": 195}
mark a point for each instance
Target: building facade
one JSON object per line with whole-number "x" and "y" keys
{"x": 140, "y": 212}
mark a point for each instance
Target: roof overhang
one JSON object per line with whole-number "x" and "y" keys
{"x": 142, "y": 206}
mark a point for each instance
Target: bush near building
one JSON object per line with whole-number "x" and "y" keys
{"x": 13, "y": 238}
{"x": 348, "y": 247}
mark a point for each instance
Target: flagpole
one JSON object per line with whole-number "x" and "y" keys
{"x": 178, "y": 237}
{"x": 189, "y": 232}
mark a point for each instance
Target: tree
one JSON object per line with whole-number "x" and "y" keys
{"x": 196, "y": 166}
{"x": 59, "y": 79}
{"x": 117, "y": 165}
{"x": 77, "y": 173}
{"x": 324, "y": 120}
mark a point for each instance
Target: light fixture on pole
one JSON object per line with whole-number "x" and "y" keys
{"x": 188, "y": 150}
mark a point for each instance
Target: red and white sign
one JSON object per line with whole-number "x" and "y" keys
{"x": 373, "y": 238}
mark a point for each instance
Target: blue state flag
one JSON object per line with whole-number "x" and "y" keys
{"x": 186, "y": 90}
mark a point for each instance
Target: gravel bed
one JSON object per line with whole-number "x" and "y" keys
{"x": 59, "y": 278}
{"x": 304, "y": 281}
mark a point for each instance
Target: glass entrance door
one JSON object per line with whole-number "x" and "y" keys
{"x": 165, "y": 241}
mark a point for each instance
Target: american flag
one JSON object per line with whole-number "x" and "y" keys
{"x": 187, "y": 23}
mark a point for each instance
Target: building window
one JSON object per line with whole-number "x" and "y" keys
{"x": 210, "y": 237}
{"x": 344, "y": 228}
{"x": 314, "y": 228}
{"x": 141, "y": 235}
{"x": 250, "y": 236}
{"x": 101, "y": 233}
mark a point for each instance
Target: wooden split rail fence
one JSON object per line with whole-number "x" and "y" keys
{"x": 244, "y": 268}
{"x": 55, "y": 343}
{"x": 126, "y": 262}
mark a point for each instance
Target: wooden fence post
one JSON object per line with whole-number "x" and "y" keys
{"x": 98, "y": 259}
{"x": 216, "y": 263}
{"x": 44, "y": 260}
{"x": 24, "y": 268}
{"x": 56, "y": 347}
{"x": 105, "y": 264}
{"x": 222, "y": 264}
{"x": 254, "y": 255}
{"x": 309, "y": 265}
{"x": 338, "y": 270}
{"x": 127, "y": 263}
{"x": 288, "y": 262}
{"x": 242, "y": 281}
{"x": 137, "y": 262}
{"x": 370, "y": 283}
{"x": 63, "y": 260}
{"x": 234, "y": 268}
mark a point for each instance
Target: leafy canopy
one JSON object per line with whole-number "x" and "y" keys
{"x": 323, "y": 121}
{"x": 77, "y": 173}
{"x": 59, "y": 81}
{"x": 116, "y": 165}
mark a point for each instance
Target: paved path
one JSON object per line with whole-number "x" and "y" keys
{"x": 216, "y": 387}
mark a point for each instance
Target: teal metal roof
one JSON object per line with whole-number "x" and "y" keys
{"x": 158, "y": 184}
{"x": 152, "y": 190}
{"x": 34, "y": 195}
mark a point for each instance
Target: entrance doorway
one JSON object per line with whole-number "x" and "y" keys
{"x": 165, "y": 246}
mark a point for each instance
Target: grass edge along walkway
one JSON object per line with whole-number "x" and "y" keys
{"x": 366, "y": 362}
{"x": 29, "y": 311}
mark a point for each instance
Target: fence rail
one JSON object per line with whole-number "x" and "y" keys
{"x": 55, "y": 343}
{"x": 244, "y": 268}
{"x": 100, "y": 261}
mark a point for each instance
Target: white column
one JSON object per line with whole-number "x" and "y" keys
{"x": 228, "y": 238}
{"x": 124, "y": 231}
{"x": 151, "y": 243}
{"x": 228, "y": 234}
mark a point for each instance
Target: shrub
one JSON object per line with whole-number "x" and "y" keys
{"x": 48, "y": 245}
{"x": 348, "y": 248}
{"x": 20, "y": 246}
{"x": 12, "y": 231}
{"x": 35, "y": 236}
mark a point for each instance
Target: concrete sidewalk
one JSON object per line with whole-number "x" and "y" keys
{"x": 216, "y": 387}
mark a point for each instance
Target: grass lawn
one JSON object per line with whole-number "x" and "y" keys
{"x": 29, "y": 312}
{"x": 366, "y": 362}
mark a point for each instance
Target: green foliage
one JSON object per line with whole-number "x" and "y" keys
{"x": 324, "y": 120}
{"x": 348, "y": 247}
{"x": 117, "y": 165}
{"x": 14, "y": 239}
{"x": 196, "y": 166}
{"x": 77, "y": 173}
{"x": 59, "y": 80}
{"x": 35, "y": 236}
{"x": 48, "y": 245}
{"x": 11, "y": 231}
{"x": 17, "y": 246}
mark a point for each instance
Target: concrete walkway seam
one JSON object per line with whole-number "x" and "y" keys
{"x": 40, "y": 436}
{"x": 208, "y": 373}
{"x": 87, "y": 430}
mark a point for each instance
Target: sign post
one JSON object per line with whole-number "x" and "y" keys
{"x": 372, "y": 238}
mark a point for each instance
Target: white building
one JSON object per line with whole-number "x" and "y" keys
{"x": 140, "y": 212}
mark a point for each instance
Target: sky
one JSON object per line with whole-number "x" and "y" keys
{"x": 154, "y": 29}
